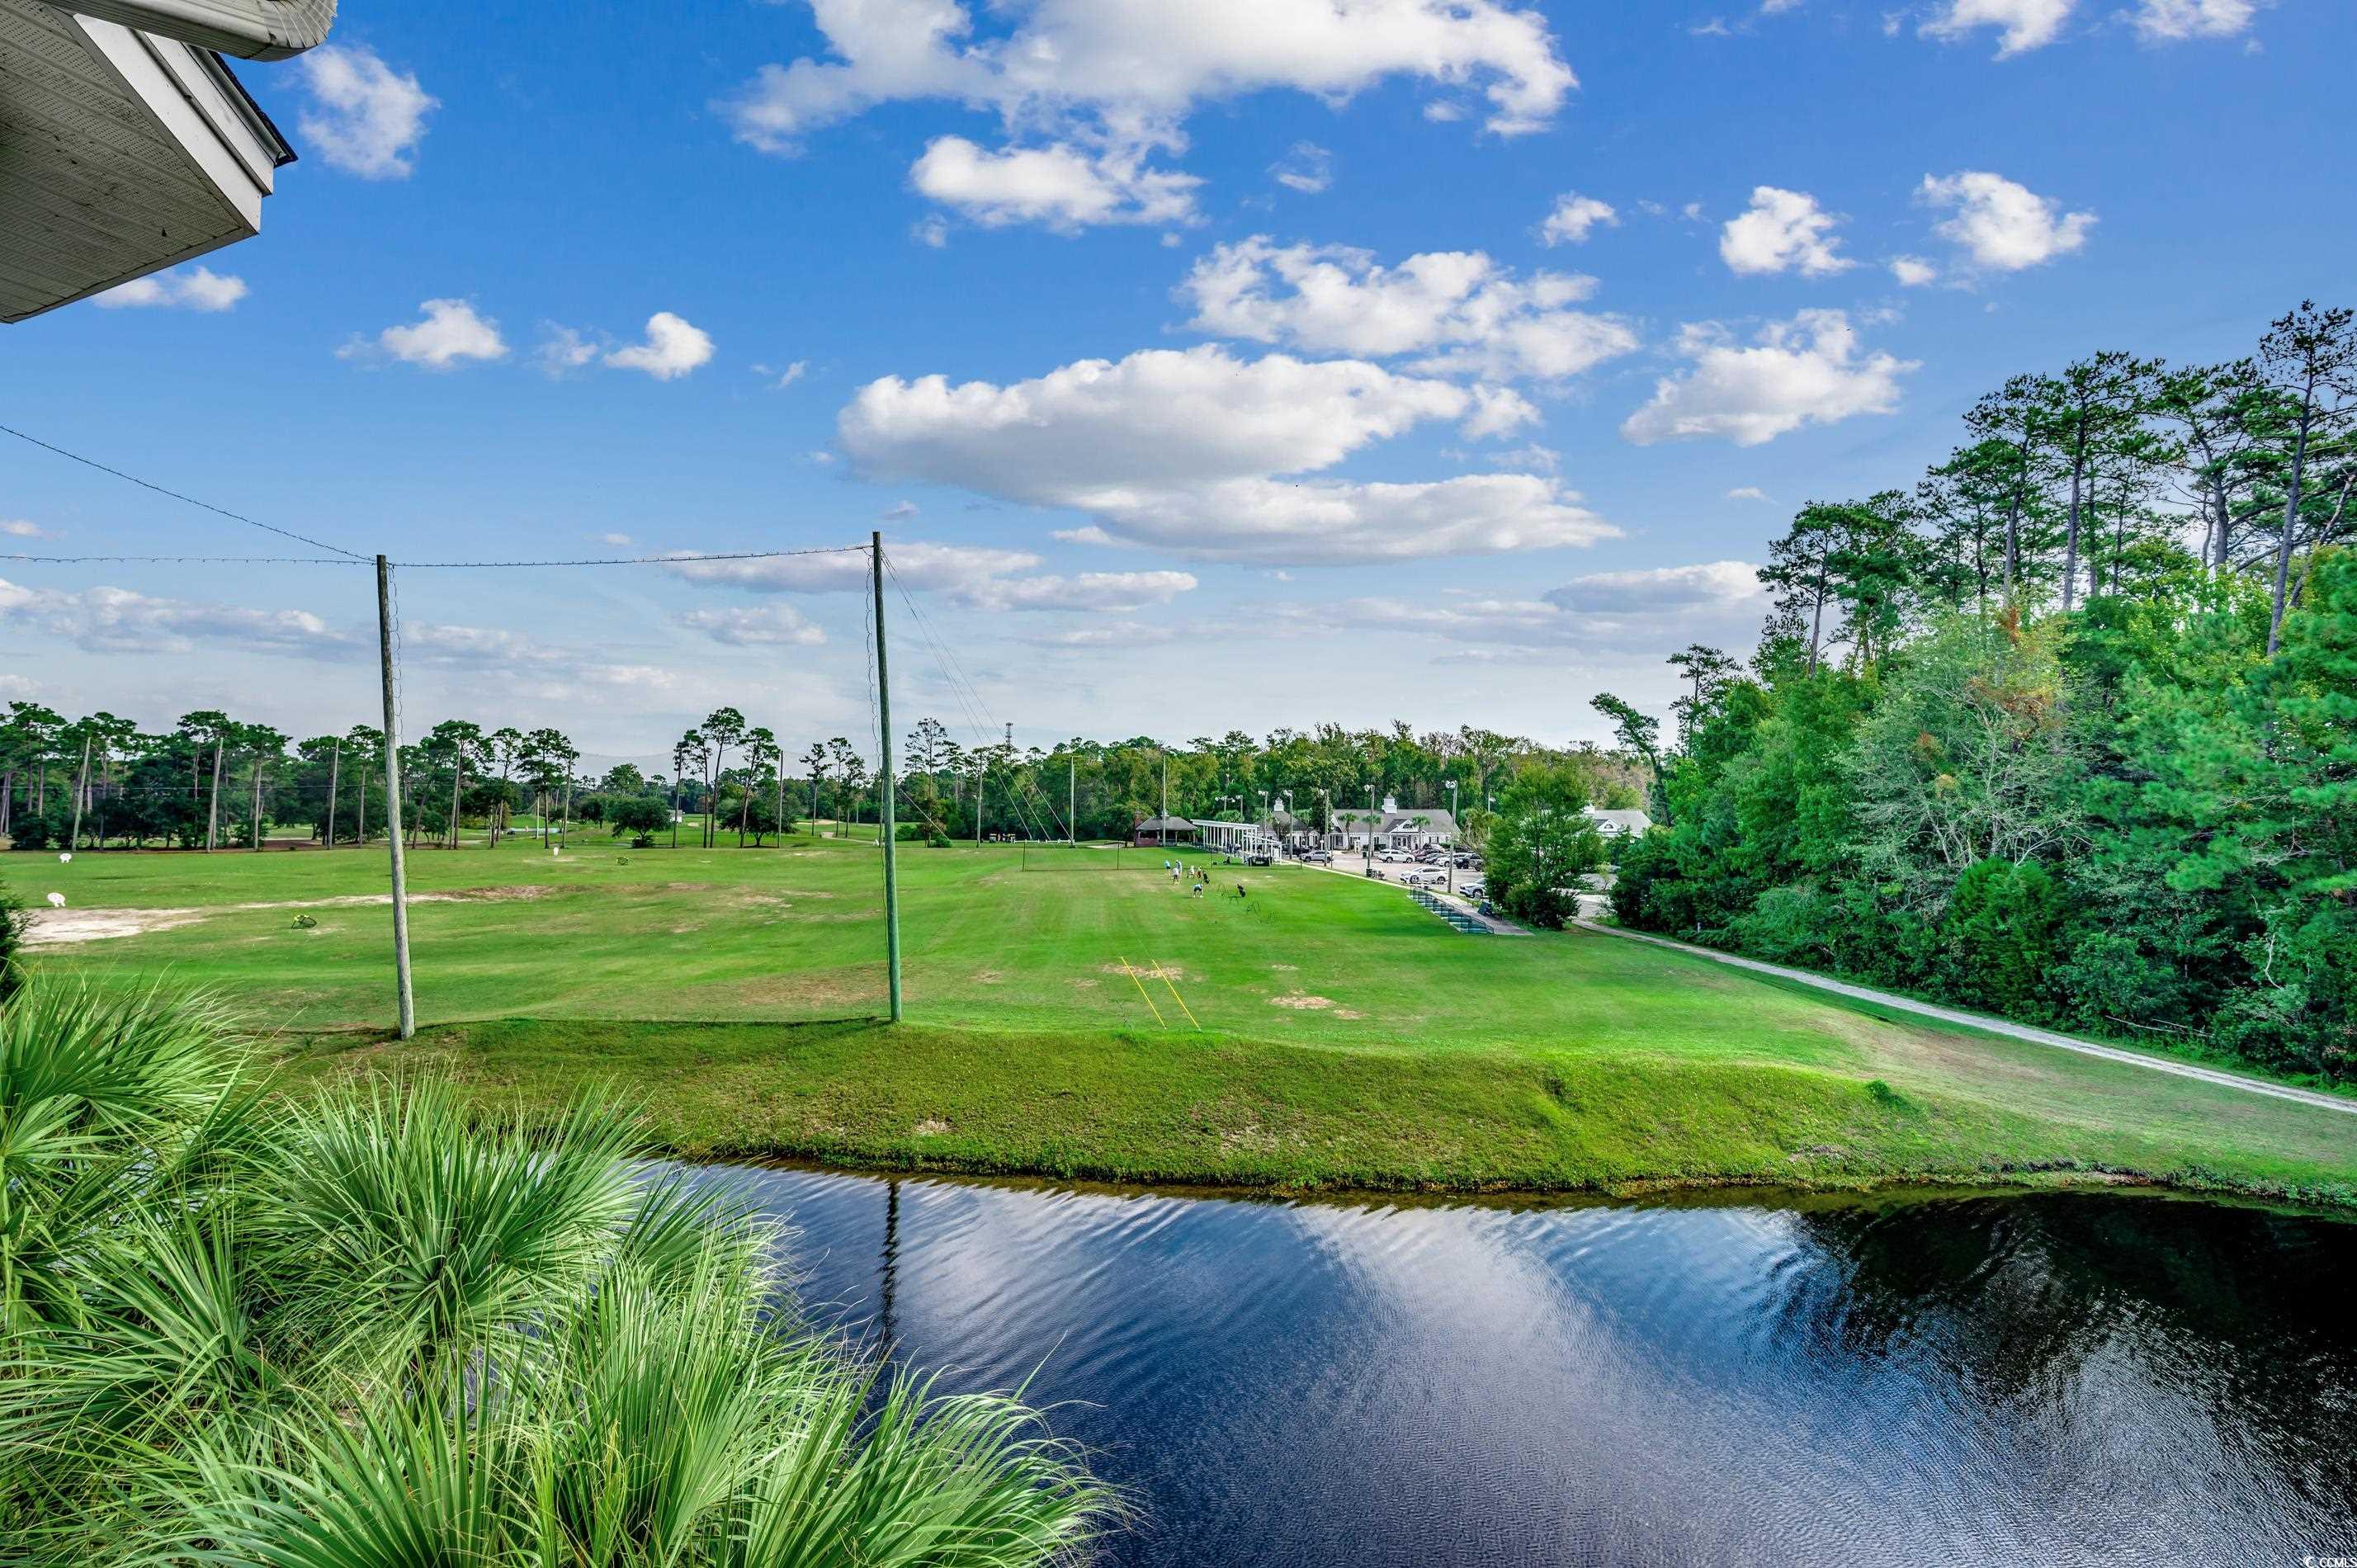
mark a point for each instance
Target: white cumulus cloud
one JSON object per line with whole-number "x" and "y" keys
{"x": 1214, "y": 456}
{"x": 1460, "y": 311}
{"x": 448, "y": 333}
{"x": 1782, "y": 230}
{"x": 1574, "y": 218}
{"x": 756, "y": 626}
{"x": 1087, "y": 90}
{"x": 2021, "y": 24}
{"x": 1809, "y": 371}
{"x": 366, "y": 117}
{"x": 185, "y": 288}
{"x": 673, "y": 348}
{"x": 2002, "y": 225}
{"x": 119, "y": 620}
{"x": 2174, "y": 21}
{"x": 1913, "y": 271}
{"x": 1064, "y": 187}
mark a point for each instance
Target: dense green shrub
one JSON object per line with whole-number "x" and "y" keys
{"x": 1999, "y": 937}
{"x": 366, "y": 1329}
{"x": 42, "y": 829}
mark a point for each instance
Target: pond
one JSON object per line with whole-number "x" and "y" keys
{"x": 2050, "y": 1379}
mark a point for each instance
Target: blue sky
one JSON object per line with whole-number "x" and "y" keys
{"x": 1269, "y": 393}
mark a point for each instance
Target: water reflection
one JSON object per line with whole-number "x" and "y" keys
{"x": 2057, "y": 1379}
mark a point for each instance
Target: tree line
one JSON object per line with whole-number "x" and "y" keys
{"x": 2068, "y": 731}
{"x": 211, "y": 782}
{"x": 1087, "y": 788}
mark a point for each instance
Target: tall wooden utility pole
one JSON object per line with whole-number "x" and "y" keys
{"x": 212, "y": 802}
{"x": 392, "y": 799}
{"x": 884, "y": 829}
{"x": 1071, "y": 801}
{"x": 82, "y": 792}
{"x": 334, "y": 771}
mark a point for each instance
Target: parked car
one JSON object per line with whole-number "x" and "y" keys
{"x": 1470, "y": 890}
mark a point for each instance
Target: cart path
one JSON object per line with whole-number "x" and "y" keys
{"x": 1993, "y": 1025}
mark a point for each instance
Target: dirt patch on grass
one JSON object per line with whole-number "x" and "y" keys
{"x": 1083, "y": 985}
{"x": 1251, "y": 1138}
{"x": 841, "y": 993}
{"x": 521, "y": 893}
{"x": 931, "y": 1127}
{"x": 988, "y": 977}
{"x": 1286, "y": 968}
{"x": 1147, "y": 971}
{"x": 54, "y": 928}
{"x": 1301, "y": 1004}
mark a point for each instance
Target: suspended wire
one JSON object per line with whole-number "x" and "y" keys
{"x": 875, "y": 708}
{"x": 674, "y": 559}
{"x": 977, "y": 720}
{"x": 351, "y": 556}
{"x": 192, "y": 560}
{"x": 977, "y": 715}
{"x": 175, "y": 495}
{"x": 960, "y": 692}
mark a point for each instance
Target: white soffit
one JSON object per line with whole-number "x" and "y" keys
{"x": 121, "y": 153}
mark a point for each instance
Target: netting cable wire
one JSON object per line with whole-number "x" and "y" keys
{"x": 978, "y": 718}
{"x": 875, "y": 708}
{"x": 188, "y": 560}
{"x": 676, "y": 558}
{"x": 177, "y": 496}
{"x": 987, "y": 727}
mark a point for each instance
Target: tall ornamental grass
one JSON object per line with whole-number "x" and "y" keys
{"x": 365, "y": 1330}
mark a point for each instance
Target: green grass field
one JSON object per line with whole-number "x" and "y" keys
{"x": 1345, "y": 1037}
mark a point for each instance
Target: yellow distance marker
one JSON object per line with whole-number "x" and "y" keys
{"x": 1142, "y": 996}
{"x": 1176, "y": 997}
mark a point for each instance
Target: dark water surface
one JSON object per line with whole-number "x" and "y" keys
{"x": 2058, "y": 1379}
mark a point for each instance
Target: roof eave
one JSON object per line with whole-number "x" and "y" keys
{"x": 257, "y": 119}
{"x": 250, "y": 29}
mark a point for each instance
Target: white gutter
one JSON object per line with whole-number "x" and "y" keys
{"x": 250, "y": 29}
